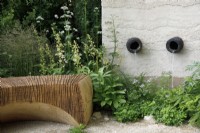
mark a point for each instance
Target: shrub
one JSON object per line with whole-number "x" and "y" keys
{"x": 19, "y": 52}
{"x": 128, "y": 112}
{"x": 109, "y": 92}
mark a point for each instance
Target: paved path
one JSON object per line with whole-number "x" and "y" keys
{"x": 101, "y": 125}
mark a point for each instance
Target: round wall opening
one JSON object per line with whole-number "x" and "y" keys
{"x": 134, "y": 45}
{"x": 174, "y": 45}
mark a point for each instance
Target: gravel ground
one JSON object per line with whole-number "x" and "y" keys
{"x": 104, "y": 124}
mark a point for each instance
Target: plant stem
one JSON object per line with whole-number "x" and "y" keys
{"x": 115, "y": 40}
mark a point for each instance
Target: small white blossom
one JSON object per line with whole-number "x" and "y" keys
{"x": 149, "y": 80}
{"x": 62, "y": 32}
{"x": 56, "y": 16}
{"x": 135, "y": 81}
{"x": 96, "y": 9}
{"x": 67, "y": 23}
{"x": 67, "y": 27}
{"x": 65, "y": 16}
{"x": 47, "y": 31}
{"x": 69, "y": 16}
{"x": 99, "y": 32}
{"x": 38, "y": 21}
{"x": 64, "y": 8}
{"x": 39, "y": 18}
{"x": 75, "y": 29}
{"x": 142, "y": 86}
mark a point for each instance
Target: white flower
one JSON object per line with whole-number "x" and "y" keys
{"x": 39, "y": 18}
{"x": 69, "y": 16}
{"x": 135, "y": 81}
{"x": 65, "y": 16}
{"x": 67, "y": 27}
{"x": 142, "y": 86}
{"x": 96, "y": 9}
{"x": 56, "y": 16}
{"x": 149, "y": 80}
{"x": 64, "y": 8}
{"x": 62, "y": 32}
{"x": 75, "y": 29}
{"x": 47, "y": 31}
{"x": 67, "y": 23}
{"x": 99, "y": 32}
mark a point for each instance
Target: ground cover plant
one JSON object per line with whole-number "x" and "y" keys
{"x": 169, "y": 106}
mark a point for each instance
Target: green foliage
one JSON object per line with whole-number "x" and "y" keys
{"x": 195, "y": 67}
{"x": 169, "y": 106}
{"x": 73, "y": 27}
{"x": 141, "y": 89}
{"x": 128, "y": 112}
{"x": 164, "y": 82}
{"x": 140, "y": 92}
{"x": 113, "y": 39}
{"x": 6, "y": 20}
{"x": 170, "y": 116}
{"x": 83, "y": 18}
{"x": 47, "y": 63}
{"x": 19, "y": 52}
{"x": 87, "y": 15}
{"x": 108, "y": 89}
{"x": 175, "y": 106}
{"x": 192, "y": 99}
{"x": 79, "y": 129}
{"x": 195, "y": 119}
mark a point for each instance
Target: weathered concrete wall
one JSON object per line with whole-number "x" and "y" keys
{"x": 154, "y": 22}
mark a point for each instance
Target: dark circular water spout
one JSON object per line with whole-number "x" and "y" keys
{"x": 174, "y": 45}
{"x": 134, "y": 45}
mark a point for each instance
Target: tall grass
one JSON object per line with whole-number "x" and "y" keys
{"x": 19, "y": 52}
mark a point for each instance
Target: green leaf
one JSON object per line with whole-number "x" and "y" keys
{"x": 122, "y": 101}
{"x": 121, "y": 92}
{"x": 103, "y": 103}
{"x": 116, "y": 104}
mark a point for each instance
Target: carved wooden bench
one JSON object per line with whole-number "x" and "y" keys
{"x": 66, "y": 98}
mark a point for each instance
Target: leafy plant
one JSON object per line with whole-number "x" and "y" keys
{"x": 140, "y": 89}
{"x": 195, "y": 119}
{"x": 175, "y": 106}
{"x": 113, "y": 39}
{"x": 79, "y": 129}
{"x": 171, "y": 116}
{"x": 164, "y": 81}
{"x": 128, "y": 112}
{"x": 19, "y": 51}
{"x": 108, "y": 89}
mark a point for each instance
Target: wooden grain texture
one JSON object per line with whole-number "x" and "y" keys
{"x": 62, "y": 98}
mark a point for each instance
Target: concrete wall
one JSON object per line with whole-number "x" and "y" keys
{"x": 154, "y": 22}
